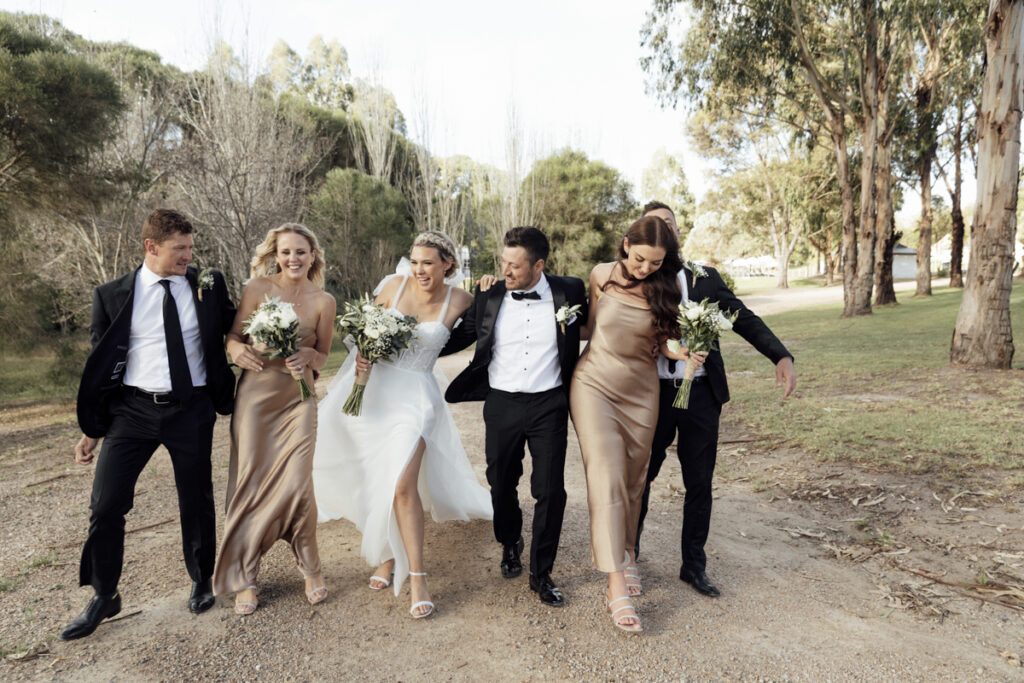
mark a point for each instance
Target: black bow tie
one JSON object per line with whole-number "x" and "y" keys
{"x": 519, "y": 296}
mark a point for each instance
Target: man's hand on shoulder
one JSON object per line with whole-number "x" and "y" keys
{"x": 785, "y": 374}
{"x": 85, "y": 450}
{"x": 486, "y": 282}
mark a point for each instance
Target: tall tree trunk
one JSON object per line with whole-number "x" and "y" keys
{"x": 835, "y": 117}
{"x": 869, "y": 136}
{"x": 885, "y": 240}
{"x": 956, "y": 255}
{"x": 924, "y": 239}
{"x": 983, "y": 335}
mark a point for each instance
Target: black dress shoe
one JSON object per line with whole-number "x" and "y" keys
{"x": 548, "y": 591}
{"x": 511, "y": 566}
{"x": 201, "y": 598}
{"x": 700, "y": 582}
{"x": 98, "y": 609}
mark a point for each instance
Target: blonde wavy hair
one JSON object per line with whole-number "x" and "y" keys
{"x": 444, "y": 245}
{"x": 264, "y": 263}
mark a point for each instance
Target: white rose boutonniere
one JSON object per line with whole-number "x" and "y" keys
{"x": 205, "y": 281}
{"x": 695, "y": 268}
{"x": 566, "y": 315}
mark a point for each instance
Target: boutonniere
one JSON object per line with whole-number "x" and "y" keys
{"x": 566, "y": 315}
{"x": 205, "y": 281}
{"x": 695, "y": 268}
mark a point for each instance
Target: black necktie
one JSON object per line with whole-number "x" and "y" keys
{"x": 519, "y": 296}
{"x": 181, "y": 378}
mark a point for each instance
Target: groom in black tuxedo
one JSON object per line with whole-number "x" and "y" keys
{"x": 156, "y": 375}
{"x": 522, "y": 369}
{"x": 697, "y": 425}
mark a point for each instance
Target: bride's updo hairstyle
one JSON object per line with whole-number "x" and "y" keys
{"x": 444, "y": 245}
{"x": 661, "y": 288}
{"x": 264, "y": 263}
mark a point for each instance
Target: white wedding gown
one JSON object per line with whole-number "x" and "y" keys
{"x": 359, "y": 460}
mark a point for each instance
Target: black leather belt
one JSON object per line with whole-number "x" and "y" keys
{"x": 160, "y": 399}
{"x": 678, "y": 381}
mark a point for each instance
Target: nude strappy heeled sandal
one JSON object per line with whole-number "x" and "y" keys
{"x": 633, "y": 573}
{"x": 628, "y": 628}
{"x": 244, "y": 608}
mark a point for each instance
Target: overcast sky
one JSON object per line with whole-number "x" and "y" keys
{"x": 570, "y": 66}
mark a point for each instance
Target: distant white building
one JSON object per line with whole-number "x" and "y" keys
{"x": 904, "y": 263}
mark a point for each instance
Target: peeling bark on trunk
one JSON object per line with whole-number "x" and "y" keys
{"x": 865, "y": 267}
{"x": 924, "y": 240}
{"x": 956, "y": 256}
{"x": 983, "y": 336}
{"x": 885, "y": 240}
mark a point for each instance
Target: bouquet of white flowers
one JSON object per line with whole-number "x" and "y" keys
{"x": 378, "y": 333}
{"x": 275, "y": 325}
{"x": 700, "y": 324}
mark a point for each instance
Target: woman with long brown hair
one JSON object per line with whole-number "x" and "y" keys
{"x": 613, "y": 399}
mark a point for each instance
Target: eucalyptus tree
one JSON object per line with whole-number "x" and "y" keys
{"x": 958, "y": 137}
{"x": 322, "y": 77}
{"x": 983, "y": 335}
{"x": 772, "y": 180}
{"x": 665, "y": 180}
{"x": 752, "y": 54}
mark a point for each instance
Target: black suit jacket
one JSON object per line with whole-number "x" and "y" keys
{"x": 110, "y": 329}
{"x": 747, "y": 325}
{"x": 472, "y": 384}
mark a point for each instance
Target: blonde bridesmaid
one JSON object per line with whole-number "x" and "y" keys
{"x": 273, "y": 432}
{"x": 613, "y": 397}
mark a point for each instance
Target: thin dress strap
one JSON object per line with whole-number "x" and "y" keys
{"x": 398, "y": 294}
{"x": 444, "y": 308}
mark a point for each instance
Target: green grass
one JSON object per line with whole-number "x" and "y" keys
{"x": 879, "y": 389}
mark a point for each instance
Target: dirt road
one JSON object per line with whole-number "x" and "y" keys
{"x": 816, "y": 563}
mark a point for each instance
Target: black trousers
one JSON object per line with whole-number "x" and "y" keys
{"x": 138, "y": 428}
{"x": 697, "y": 448}
{"x": 540, "y": 421}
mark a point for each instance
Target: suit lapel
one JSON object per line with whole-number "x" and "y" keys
{"x": 688, "y": 276}
{"x": 495, "y": 295}
{"x": 558, "y": 299}
{"x": 193, "y": 283}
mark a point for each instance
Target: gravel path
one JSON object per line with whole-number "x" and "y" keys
{"x": 804, "y": 596}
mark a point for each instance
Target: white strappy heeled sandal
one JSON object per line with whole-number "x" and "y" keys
{"x": 421, "y": 603}
{"x": 628, "y": 628}
{"x": 380, "y": 580}
{"x": 633, "y": 573}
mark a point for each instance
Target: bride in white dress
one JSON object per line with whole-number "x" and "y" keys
{"x": 402, "y": 456}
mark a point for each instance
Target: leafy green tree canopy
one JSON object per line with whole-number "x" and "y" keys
{"x": 55, "y": 107}
{"x": 583, "y": 206}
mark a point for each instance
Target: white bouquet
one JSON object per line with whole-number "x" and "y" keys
{"x": 275, "y": 325}
{"x": 378, "y": 333}
{"x": 701, "y": 324}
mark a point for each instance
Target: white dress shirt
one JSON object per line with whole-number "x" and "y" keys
{"x": 663, "y": 372}
{"x": 524, "y": 357}
{"x": 148, "y": 367}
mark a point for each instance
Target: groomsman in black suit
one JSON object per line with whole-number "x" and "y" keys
{"x": 697, "y": 425}
{"x": 156, "y": 375}
{"x": 522, "y": 369}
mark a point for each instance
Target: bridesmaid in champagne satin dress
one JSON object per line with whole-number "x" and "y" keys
{"x": 273, "y": 432}
{"x": 613, "y": 397}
